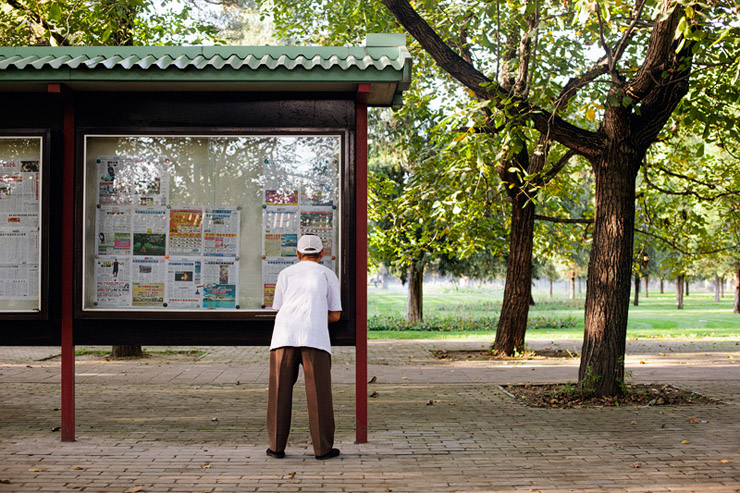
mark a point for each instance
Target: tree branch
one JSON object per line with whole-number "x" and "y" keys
{"x": 35, "y": 17}
{"x": 581, "y": 141}
{"x": 557, "y": 167}
{"x": 675, "y": 246}
{"x": 562, "y": 220}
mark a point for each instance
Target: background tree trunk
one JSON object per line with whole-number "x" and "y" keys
{"x": 647, "y": 281}
{"x": 415, "y": 301}
{"x": 716, "y": 288}
{"x": 550, "y": 286}
{"x": 126, "y": 352}
{"x": 637, "y": 289}
{"x": 609, "y": 272}
{"x": 687, "y": 286}
{"x": 736, "y": 308}
{"x": 661, "y": 285}
{"x": 512, "y": 323}
{"x": 679, "y": 291}
{"x": 572, "y": 286}
{"x": 722, "y": 287}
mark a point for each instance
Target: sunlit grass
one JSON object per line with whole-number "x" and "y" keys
{"x": 656, "y": 316}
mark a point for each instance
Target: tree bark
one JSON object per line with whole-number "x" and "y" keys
{"x": 126, "y": 352}
{"x": 716, "y": 288}
{"x": 609, "y": 272}
{"x": 637, "y": 289}
{"x": 736, "y": 308}
{"x": 512, "y": 322}
{"x": 679, "y": 291}
{"x": 415, "y": 301}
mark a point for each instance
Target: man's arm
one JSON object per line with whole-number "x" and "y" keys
{"x": 334, "y": 316}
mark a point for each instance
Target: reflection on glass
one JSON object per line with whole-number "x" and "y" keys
{"x": 20, "y": 212}
{"x": 203, "y": 222}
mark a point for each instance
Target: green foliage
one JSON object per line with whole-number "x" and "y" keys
{"x": 461, "y": 324}
{"x": 101, "y": 22}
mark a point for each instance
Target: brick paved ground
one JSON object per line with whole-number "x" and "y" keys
{"x": 171, "y": 423}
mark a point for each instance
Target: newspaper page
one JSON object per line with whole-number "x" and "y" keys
{"x": 280, "y": 231}
{"x": 19, "y": 246}
{"x": 19, "y": 282}
{"x": 150, "y": 181}
{"x": 113, "y": 230}
{"x": 271, "y": 268}
{"x": 150, "y": 231}
{"x": 221, "y": 231}
{"x": 113, "y": 281}
{"x": 114, "y": 185}
{"x": 221, "y": 283}
{"x": 19, "y": 192}
{"x": 186, "y": 230}
{"x": 319, "y": 221}
{"x": 147, "y": 281}
{"x": 184, "y": 283}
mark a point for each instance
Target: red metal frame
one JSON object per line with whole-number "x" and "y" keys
{"x": 361, "y": 262}
{"x": 68, "y": 225}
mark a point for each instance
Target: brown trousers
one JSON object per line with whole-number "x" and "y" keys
{"x": 284, "y": 364}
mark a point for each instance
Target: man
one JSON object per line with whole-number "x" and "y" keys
{"x": 307, "y": 298}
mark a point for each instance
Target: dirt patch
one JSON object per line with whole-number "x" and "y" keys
{"x": 487, "y": 355}
{"x": 563, "y": 396}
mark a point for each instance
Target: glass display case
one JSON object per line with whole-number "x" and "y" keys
{"x": 203, "y": 222}
{"x": 20, "y": 223}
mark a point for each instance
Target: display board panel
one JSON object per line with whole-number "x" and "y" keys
{"x": 203, "y": 222}
{"x": 20, "y": 220}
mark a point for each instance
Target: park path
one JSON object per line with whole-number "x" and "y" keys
{"x": 175, "y": 423}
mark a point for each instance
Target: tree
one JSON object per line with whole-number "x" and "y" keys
{"x": 647, "y": 65}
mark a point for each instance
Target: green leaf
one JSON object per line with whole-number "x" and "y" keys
{"x": 55, "y": 12}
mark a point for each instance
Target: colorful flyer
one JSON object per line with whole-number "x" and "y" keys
{"x": 113, "y": 230}
{"x": 184, "y": 283}
{"x": 221, "y": 232}
{"x": 113, "y": 281}
{"x": 186, "y": 231}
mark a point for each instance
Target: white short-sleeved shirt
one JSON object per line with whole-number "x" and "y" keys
{"x": 304, "y": 295}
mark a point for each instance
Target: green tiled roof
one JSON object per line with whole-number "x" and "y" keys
{"x": 383, "y": 62}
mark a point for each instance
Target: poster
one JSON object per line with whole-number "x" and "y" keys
{"x": 221, "y": 283}
{"x": 184, "y": 287}
{"x": 113, "y": 230}
{"x": 113, "y": 281}
{"x": 19, "y": 282}
{"x": 221, "y": 232}
{"x": 280, "y": 245}
{"x": 186, "y": 227}
{"x": 147, "y": 281}
{"x": 150, "y": 231}
{"x": 281, "y": 196}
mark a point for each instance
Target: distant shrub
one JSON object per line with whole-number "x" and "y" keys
{"x": 462, "y": 324}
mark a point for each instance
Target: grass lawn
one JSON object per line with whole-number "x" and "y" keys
{"x": 655, "y": 317}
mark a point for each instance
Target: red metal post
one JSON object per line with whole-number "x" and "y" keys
{"x": 361, "y": 261}
{"x": 68, "y": 214}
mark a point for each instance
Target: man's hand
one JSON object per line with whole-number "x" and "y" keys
{"x": 334, "y": 316}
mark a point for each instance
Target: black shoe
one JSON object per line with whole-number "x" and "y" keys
{"x": 275, "y": 455}
{"x": 329, "y": 455}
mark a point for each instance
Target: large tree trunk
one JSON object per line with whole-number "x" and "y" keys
{"x": 679, "y": 291}
{"x": 512, "y": 322}
{"x": 637, "y": 289}
{"x": 126, "y": 352}
{"x": 414, "y": 304}
{"x": 736, "y": 308}
{"x": 609, "y": 272}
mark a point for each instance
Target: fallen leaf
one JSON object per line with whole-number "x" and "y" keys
{"x": 634, "y": 422}
{"x": 724, "y": 461}
{"x": 56, "y": 428}
{"x": 404, "y": 378}
{"x": 291, "y": 475}
{"x": 636, "y": 465}
{"x": 374, "y": 395}
{"x": 527, "y": 467}
{"x": 72, "y": 487}
{"x": 4, "y": 481}
{"x": 685, "y": 442}
{"x": 205, "y": 466}
{"x": 78, "y": 468}
{"x": 214, "y": 419}
{"x": 430, "y": 403}
{"x": 134, "y": 489}
{"x": 642, "y": 362}
{"x": 373, "y": 380}
{"x": 453, "y": 404}
{"x": 388, "y": 490}
{"x": 29, "y": 366}
{"x": 693, "y": 419}
{"x": 36, "y": 469}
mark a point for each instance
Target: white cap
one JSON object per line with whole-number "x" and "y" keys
{"x": 310, "y": 244}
